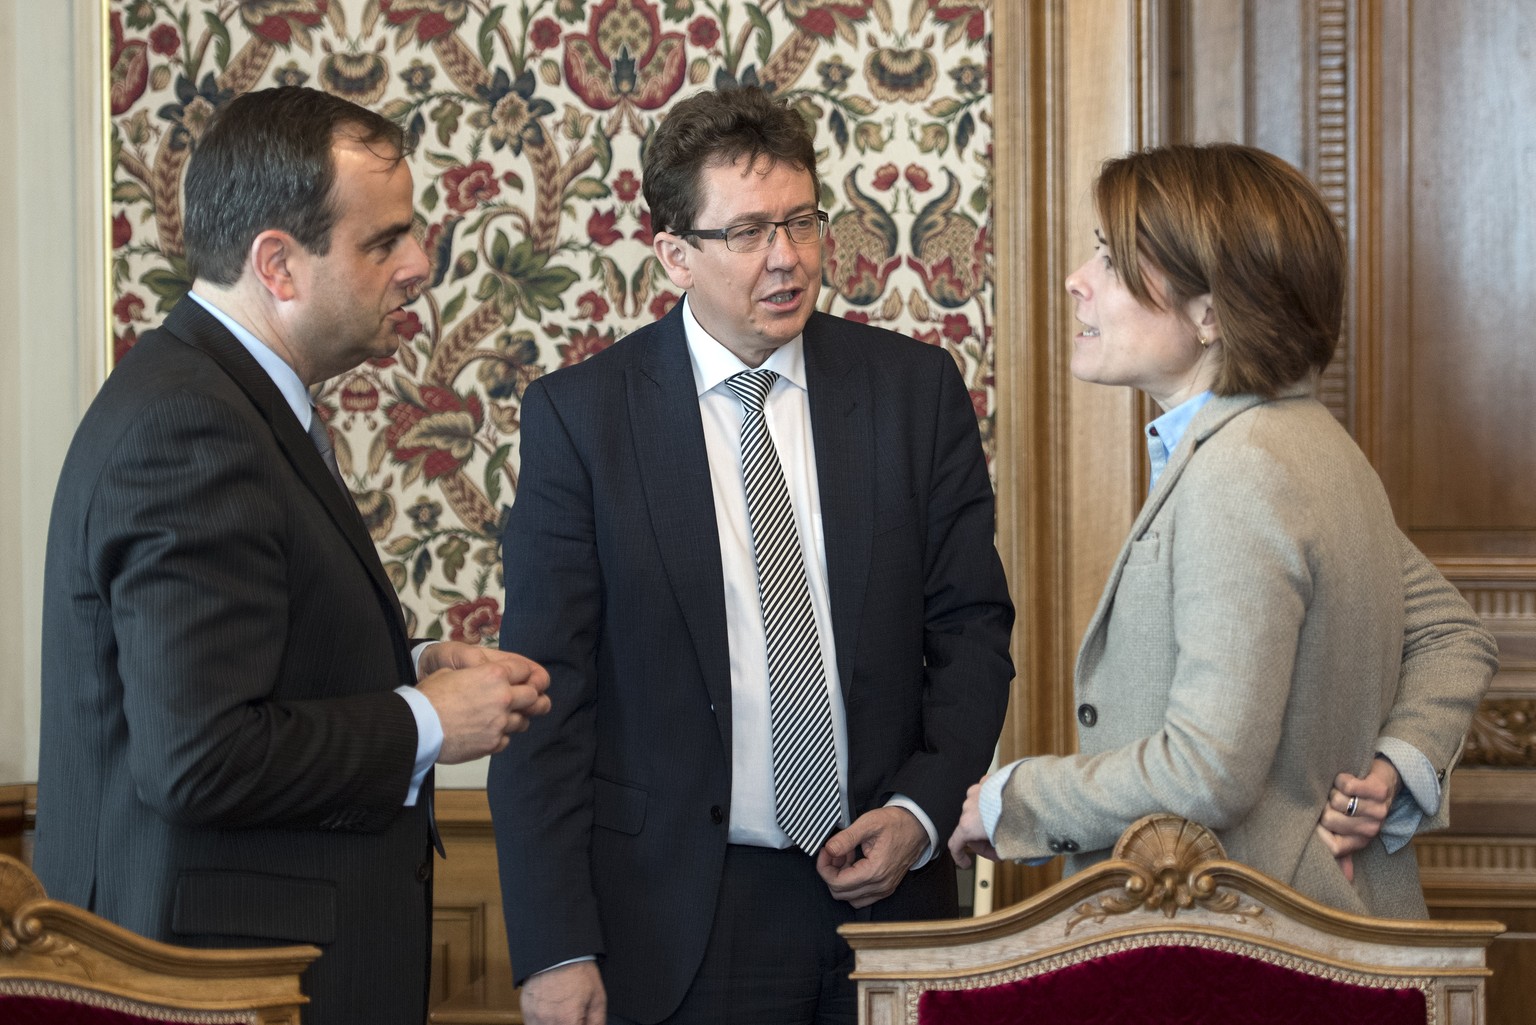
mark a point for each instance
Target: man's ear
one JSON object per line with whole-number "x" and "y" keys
{"x": 674, "y": 252}
{"x": 274, "y": 255}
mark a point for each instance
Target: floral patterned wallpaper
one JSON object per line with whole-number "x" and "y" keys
{"x": 528, "y": 120}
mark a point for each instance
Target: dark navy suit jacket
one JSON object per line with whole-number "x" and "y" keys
{"x": 611, "y": 813}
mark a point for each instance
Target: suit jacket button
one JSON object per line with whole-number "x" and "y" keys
{"x": 1054, "y": 846}
{"x": 424, "y": 871}
{"x": 1070, "y": 846}
{"x": 1087, "y": 714}
{"x": 716, "y": 815}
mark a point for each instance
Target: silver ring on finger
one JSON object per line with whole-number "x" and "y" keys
{"x": 1354, "y": 802}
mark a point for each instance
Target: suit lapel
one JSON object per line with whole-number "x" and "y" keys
{"x": 669, "y": 441}
{"x": 842, "y": 430}
{"x": 198, "y": 328}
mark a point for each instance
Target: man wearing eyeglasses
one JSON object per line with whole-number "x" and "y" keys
{"x": 752, "y": 544}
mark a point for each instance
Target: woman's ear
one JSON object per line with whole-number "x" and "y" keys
{"x": 1201, "y": 311}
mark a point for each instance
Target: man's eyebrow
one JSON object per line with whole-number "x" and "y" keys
{"x": 385, "y": 234}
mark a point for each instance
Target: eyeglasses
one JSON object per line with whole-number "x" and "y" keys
{"x": 753, "y": 236}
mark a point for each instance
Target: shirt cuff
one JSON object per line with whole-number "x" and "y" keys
{"x": 416, "y": 653}
{"x": 1418, "y": 796}
{"x": 562, "y": 964}
{"x": 429, "y": 738}
{"x": 990, "y": 800}
{"x": 902, "y": 801}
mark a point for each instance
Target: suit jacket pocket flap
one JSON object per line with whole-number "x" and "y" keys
{"x": 617, "y": 806}
{"x": 252, "y": 904}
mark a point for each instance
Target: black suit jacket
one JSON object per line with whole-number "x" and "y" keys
{"x": 223, "y": 762}
{"x": 611, "y": 812}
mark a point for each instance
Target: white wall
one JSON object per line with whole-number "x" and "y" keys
{"x": 52, "y": 313}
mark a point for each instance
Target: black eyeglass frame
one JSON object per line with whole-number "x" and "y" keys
{"x": 723, "y": 234}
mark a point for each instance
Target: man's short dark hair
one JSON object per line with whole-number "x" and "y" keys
{"x": 265, "y": 163}
{"x": 718, "y": 128}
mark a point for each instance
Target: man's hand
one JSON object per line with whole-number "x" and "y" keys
{"x": 889, "y": 840}
{"x": 1344, "y": 833}
{"x": 572, "y": 994}
{"x": 459, "y": 655}
{"x": 484, "y": 703}
{"x": 970, "y": 835}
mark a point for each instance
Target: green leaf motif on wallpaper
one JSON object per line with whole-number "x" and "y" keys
{"x": 525, "y": 282}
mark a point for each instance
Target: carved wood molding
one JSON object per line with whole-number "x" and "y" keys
{"x": 1168, "y": 858}
{"x": 1333, "y": 107}
{"x": 1503, "y": 734}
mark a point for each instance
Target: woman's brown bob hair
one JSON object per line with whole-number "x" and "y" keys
{"x": 1248, "y": 228}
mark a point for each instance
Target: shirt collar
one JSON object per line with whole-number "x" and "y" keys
{"x": 713, "y": 362}
{"x": 1165, "y": 433}
{"x": 283, "y": 375}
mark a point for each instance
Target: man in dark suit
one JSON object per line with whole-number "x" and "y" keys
{"x": 753, "y": 544}
{"x": 237, "y": 736}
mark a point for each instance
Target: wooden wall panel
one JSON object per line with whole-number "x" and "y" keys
{"x": 469, "y": 936}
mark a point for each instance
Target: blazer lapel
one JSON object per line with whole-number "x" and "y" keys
{"x": 197, "y": 327}
{"x": 669, "y": 441}
{"x": 842, "y": 431}
{"x": 1214, "y": 415}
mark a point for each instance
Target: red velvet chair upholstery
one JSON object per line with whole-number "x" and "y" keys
{"x": 1169, "y": 932}
{"x": 65, "y": 966}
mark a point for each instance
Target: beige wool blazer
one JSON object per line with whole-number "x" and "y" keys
{"x": 1264, "y": 625}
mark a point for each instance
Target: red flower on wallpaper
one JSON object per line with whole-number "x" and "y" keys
{"x": 626, "y": 185}
{"x": 129, "y": 67}
{"x": 164, "y": 39}
{"x": 917, "y": 177}
{"x": 644, "y": 232}
{"x": 468, "y": 185}
{"x": 544, "y": 34}
{"x": 128, "y": 308}
{"x": 122, "y": 231}
{"x": 426, "y": 19}
{"x": 957, "y": 327}
{"x": 625, "y": 58}
{"x": 474, "y": 621}
{"x": 703, "y": 32}
{"x": 438, "y": 436}
{"x": 410, "y": 327}
{"x": 820, "y": 19}
{"x": 581, "y": 344}
{"x": 591, "y": 306}
{"x": 278, "y": 21}
{"x": 979, "y": 402}
{"x": 662, "y": 304}
{"x": 885, "y": 177}
{"x": 972, "y": 15}
{"x": 600, "y": 227}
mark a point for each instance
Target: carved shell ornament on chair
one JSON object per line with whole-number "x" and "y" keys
{"x": 1166, "y": 861}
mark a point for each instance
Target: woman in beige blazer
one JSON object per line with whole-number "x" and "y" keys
{"x": 1266, "y": 624}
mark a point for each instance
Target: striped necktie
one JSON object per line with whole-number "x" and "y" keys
{"x": 805, "y": 784}
{"x": 322, "y": 439}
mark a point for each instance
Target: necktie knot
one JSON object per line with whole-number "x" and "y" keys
{"x": 752, "y": 387}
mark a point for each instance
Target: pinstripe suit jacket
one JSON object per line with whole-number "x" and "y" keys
{"x": 1264, "y": 624}
{"x": 223, "y": 762}
{"x": 611, "y": 812}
